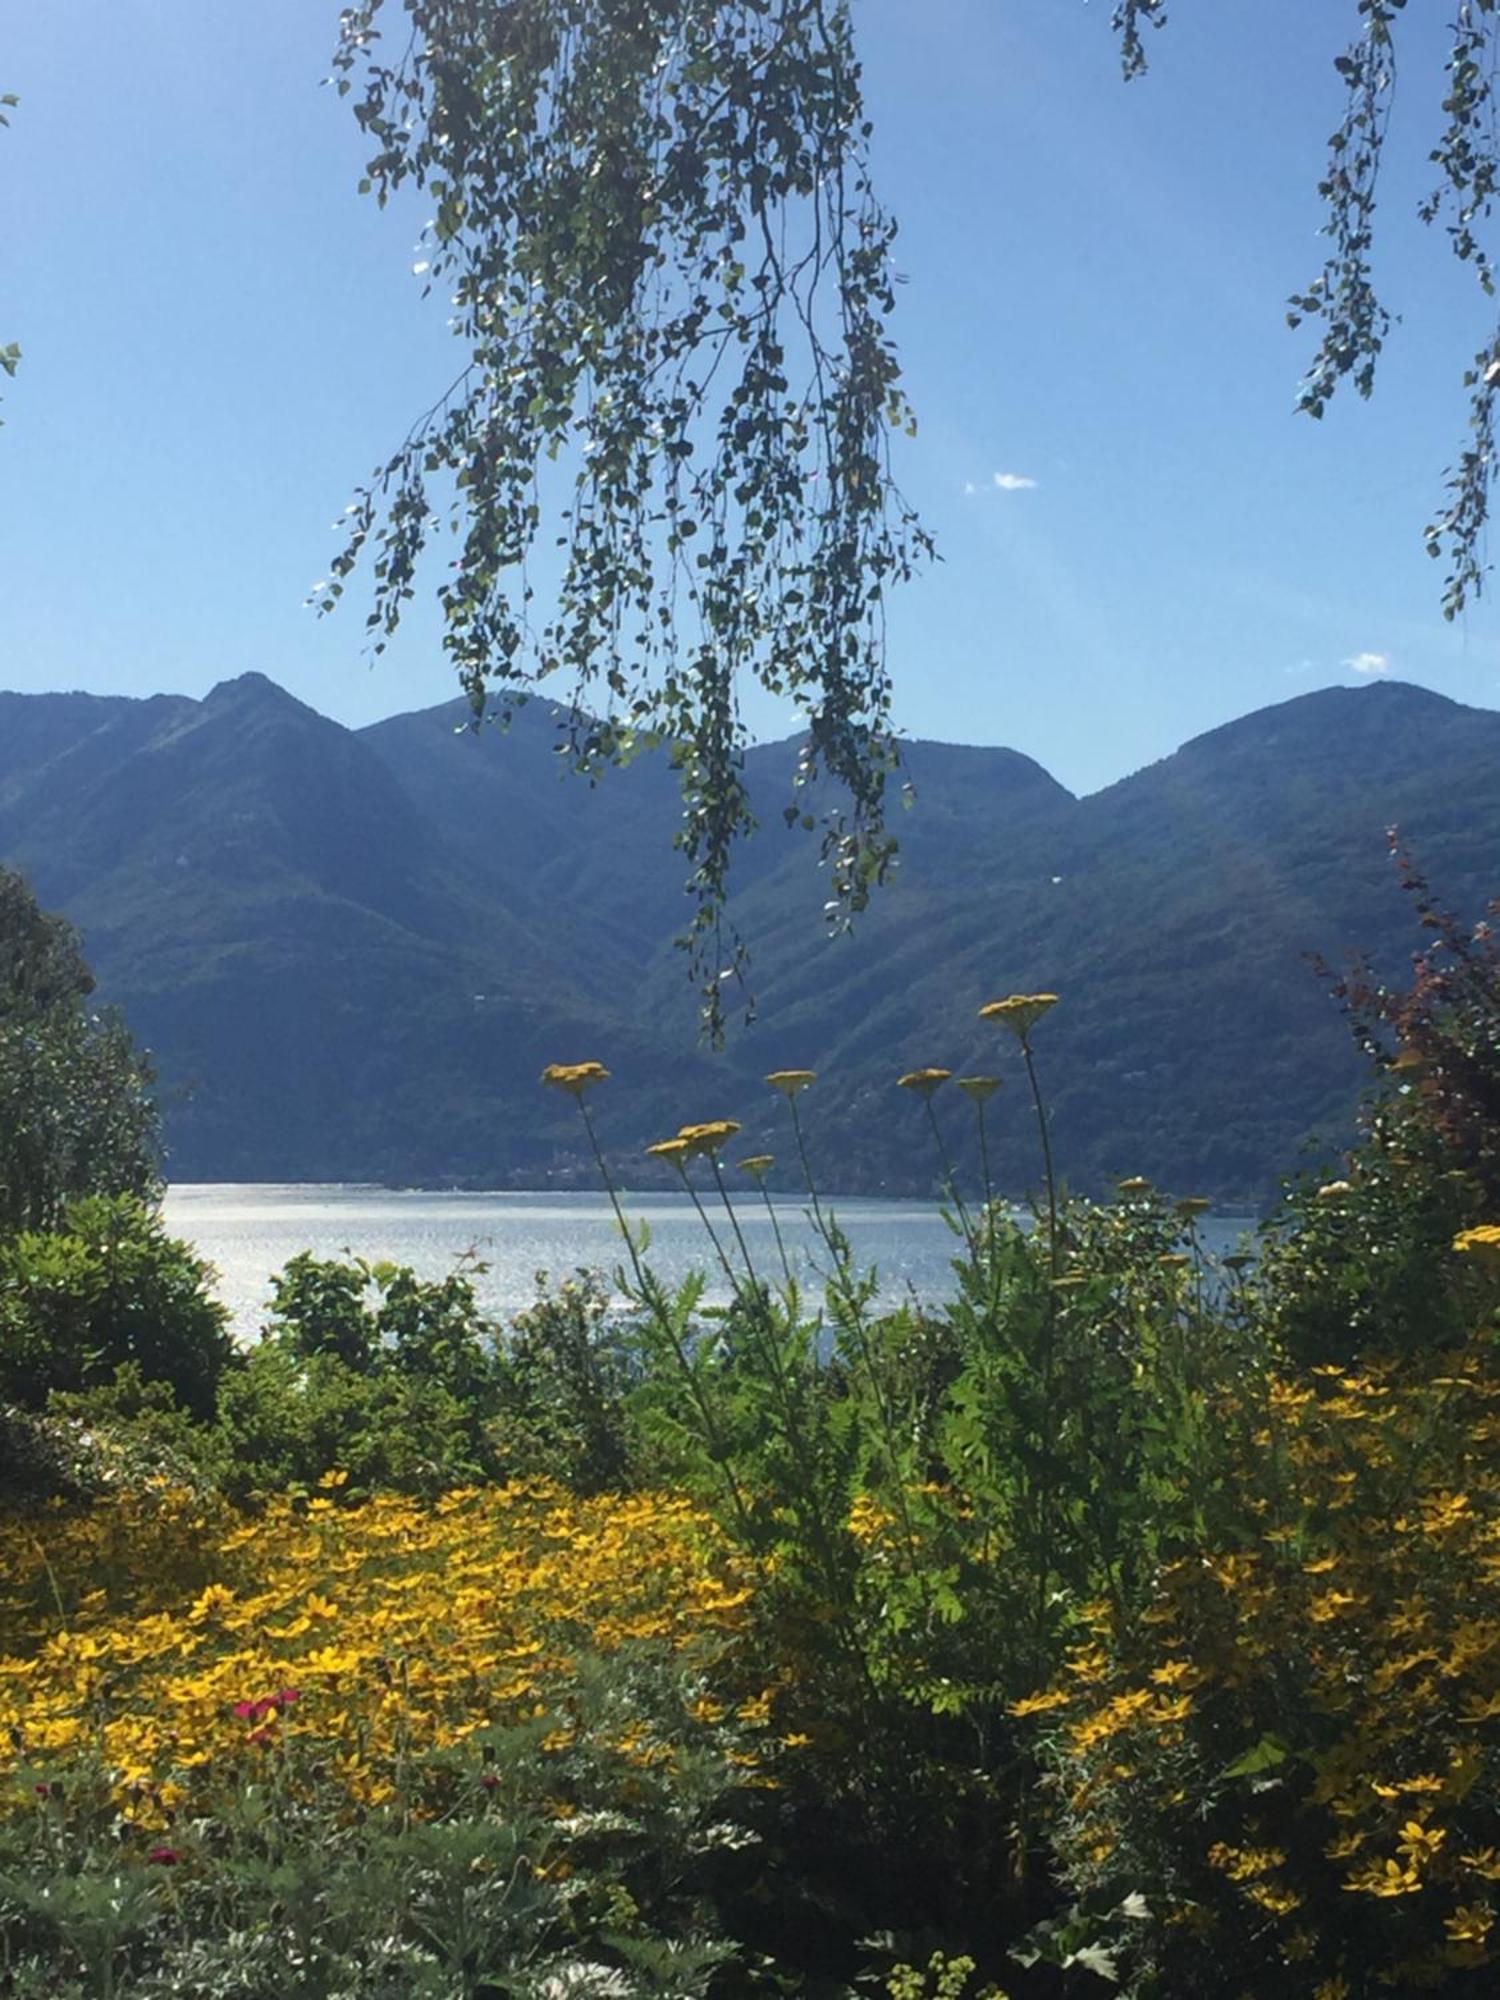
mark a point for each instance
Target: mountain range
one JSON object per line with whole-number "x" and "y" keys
{"x": 352, "y": 951}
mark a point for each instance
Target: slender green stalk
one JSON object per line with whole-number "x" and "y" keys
{"x": 984, "y": 1162}
{"x": 1041, "y": 1126}
{"x": 808, "y": 1498}
{"x": 992, "y": 1272}
{"x": 840, "y": 1286}
{"x": 851, "y": 1317}
{"x": 1045, "y": 1497}
{"x": 950, "y": 1175}
{"x": 807, "y": 1174}
{"x": 765, "y": 1195}
{"x": 734, "y": 1221}
{"x": 719, "y": 1251}
{"x": 646, "y": 1290}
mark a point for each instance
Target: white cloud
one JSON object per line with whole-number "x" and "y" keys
{"x": 970, "y": 489}
{"x": 1368, "y": 663}
{"x": 1014, "y": 482}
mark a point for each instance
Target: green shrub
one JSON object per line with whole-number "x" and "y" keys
{"x": 568, "y": 1372}
{"x": 1361, "y": 1261}
{"x": 285, "y": 1420}
{"x": 378, "y": 1317}
{"x": 108, "y": 1289}
{"x": 366, "y": 1369}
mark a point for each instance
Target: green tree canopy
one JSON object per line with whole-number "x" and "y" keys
{"x": 76, "y": 1113}
{"x": 672, "y": 280}
{"x": 664, "y": 457}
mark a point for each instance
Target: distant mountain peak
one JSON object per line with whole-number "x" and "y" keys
{"x": 253, "y": 687}
{"x": 1331, "y": 722}
{"x": 1318, "y": 705}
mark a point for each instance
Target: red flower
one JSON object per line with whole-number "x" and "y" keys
{"x": 168, "y": 1857}
{"x": 269, "y": 1704}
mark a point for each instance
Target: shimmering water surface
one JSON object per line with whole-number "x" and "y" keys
{"x": 247, "y": 1232}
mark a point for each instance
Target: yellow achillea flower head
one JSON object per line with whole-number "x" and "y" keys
{"x": 979, "y": 1087}
{"x": 1193, "y": 1204}
{"x": 758, "y": 1164}
{"x": 923, "y": 1081}
{"x": 1335, "y": 1190}
{"x": 1019, "y": 1012}
{"x": 1481, "y": 1242}
{"x": 710, "y": 1137}
{"x": 790, "y": 1081}
{"x": 1174, "y": 1260}
{"x": 1134, "y": 1184}
{"x": 1410, "y": 1059}
{"x": 676, "y": 1150}
{"x": 574, "y": 1078}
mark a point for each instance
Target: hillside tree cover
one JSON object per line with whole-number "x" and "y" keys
{"x": 665, "y": 456}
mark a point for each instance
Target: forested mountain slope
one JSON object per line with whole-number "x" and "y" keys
{"x": 353, "y": 951}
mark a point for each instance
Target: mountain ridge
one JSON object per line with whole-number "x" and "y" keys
{"x": 353, "y": 950}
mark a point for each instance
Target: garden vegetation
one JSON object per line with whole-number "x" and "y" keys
{"x": 1129, "y": 1622}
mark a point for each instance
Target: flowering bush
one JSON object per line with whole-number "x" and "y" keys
{"x": 1287, "y": 1767}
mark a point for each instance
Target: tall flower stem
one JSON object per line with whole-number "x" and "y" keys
{"x": 1041, "y": 1126}
{"x": 808, "y": 1499}
{"x": 834, "y": 1242}
{"x": 734, "y": 1222}
{"x": 807, "y": 1175}
{"x": 724, "y": 1264}
{"x": 851, "y": 1317}
{"x": 949, "y": 1174}
{"x": 786, "y": 1266}
{"x": 646, "y": 1290}
{"x": 1045, "y": 1506}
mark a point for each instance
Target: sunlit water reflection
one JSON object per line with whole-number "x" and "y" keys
{"x": 248, "y": 1232}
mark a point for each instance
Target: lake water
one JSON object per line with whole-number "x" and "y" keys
{"x": 247, "y": 1232}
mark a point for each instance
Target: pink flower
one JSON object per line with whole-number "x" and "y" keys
{"x": 270, "y": 1704}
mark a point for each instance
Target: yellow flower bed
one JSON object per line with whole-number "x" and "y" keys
{"x": 204, "y": 1646}
{"x": 1309, "y": 1724}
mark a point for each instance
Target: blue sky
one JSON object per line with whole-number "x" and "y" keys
{"x": 1140, "y": 538}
